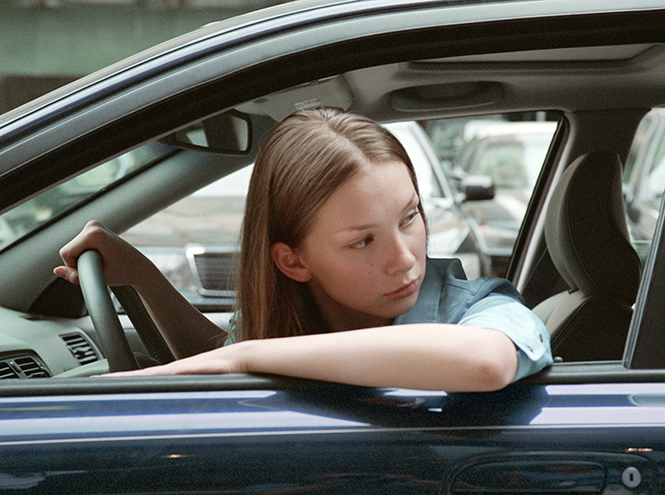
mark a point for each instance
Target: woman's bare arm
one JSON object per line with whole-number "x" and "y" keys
{"x": 185, "y": 329}
{"x": 428, "y": 356}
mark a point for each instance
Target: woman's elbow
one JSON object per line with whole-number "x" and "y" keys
{"x": 497, "y": 367}
{"x": 494, "y": 375}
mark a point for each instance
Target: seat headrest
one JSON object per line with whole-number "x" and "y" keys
{"x": 586, "y": 231}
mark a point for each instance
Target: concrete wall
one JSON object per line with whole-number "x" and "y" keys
{"x": 46, "y": 44}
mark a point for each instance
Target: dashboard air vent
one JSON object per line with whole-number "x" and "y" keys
{"x": 214, "y": 270}
{"x": 80, "y": 348}
{"x": 22, "y": 367}
{"x": 30, "y": 367}
{"x": 6, "y": 371}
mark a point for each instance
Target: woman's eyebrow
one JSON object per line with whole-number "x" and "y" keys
{"x": 352, "y": 228}
{"x": 413, "y": 202}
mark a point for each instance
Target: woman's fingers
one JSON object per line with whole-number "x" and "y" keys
{"x": 122, "y": 262}
{"x": 69, "y": 274}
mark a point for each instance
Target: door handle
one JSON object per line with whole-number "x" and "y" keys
{"x": 548, "y": 472}
{"x": 531, "y": 476}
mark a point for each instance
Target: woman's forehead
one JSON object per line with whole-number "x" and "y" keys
{"x": 380, "y": 189}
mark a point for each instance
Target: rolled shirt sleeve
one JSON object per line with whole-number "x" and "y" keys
{"x": 520, "y": 324}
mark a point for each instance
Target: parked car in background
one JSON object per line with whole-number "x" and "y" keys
{"x": 450, "y": 136}
{"x": 592, "y": 423}
{"x": 511, "y": 155}
{"x": 195, "y": 241}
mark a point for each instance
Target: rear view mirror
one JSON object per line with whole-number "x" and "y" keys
{"x": 228, "y": 133}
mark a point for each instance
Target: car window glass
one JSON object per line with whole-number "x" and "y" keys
{"x": 514, "y": 163}
{"x": 644, "y": 180}
{"x": 644, "y": 132}
{"x": 510, "y": 151}
{"x": 655, "y": 178}
{"x": 38, "y": 211}
{"x": 423, "y": 156}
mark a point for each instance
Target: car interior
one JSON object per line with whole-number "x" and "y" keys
{"x": 574, "y": 268}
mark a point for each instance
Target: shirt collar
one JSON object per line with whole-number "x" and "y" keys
{"x": 426, "y": 308}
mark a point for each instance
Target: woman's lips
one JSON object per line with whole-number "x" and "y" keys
{"x": 405, "y": 291}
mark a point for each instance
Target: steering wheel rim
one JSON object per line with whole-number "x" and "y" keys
{"x": 103, "y": 314}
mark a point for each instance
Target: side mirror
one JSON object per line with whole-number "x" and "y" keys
{"x": 477, "y": 187}
{"x": 228, "y": 133}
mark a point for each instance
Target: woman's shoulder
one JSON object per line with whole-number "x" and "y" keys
{"x": 447, "y": 267}
{"x": 446, "y": 293}
{"x": 234, "y": 327}
{"x": 450, "y": 272}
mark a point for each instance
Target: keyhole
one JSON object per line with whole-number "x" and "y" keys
{"x": 631, "y": 477}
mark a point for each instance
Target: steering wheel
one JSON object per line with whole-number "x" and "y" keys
{"x": 103, "y": 314}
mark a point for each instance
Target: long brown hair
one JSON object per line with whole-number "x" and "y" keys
{"x": 301, "y": 163}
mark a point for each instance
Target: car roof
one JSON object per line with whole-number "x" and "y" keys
{"x": 297, "y": 14}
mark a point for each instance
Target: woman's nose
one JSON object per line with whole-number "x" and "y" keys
{"x": 400, "y": 258}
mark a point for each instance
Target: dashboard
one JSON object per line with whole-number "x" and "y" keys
{"x": 40, "y": 347}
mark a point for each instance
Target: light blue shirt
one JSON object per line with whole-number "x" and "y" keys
{"x": 482, "y": 303}
{"x": 520, "y": 324}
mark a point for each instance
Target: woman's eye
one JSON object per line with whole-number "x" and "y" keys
{"x": 362, "y": 243}
{"x": 410, "y": 218}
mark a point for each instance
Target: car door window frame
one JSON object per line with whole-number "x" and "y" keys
{"x": 646, "y": 337}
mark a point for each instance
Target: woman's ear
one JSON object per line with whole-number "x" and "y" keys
{"x": 289, "y": 263}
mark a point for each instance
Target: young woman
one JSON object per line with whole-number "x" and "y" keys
{"x": 334, "y": 280}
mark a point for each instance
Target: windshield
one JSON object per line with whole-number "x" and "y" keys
{"x": 28, "y": 217}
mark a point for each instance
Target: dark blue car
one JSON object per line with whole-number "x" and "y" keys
{"x": 124, "y": 143}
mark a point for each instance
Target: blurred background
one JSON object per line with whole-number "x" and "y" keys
{"x": 45, "y": 44}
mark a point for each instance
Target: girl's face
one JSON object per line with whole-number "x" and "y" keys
{"x": 364, "y": 258}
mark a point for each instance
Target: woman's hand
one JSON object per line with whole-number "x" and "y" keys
{"x": 228, "y": 359}
{"x": 123, "y": 263}
{"x": 185, "y": 329}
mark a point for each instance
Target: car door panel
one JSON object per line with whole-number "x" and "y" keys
{"x": 319, "y": 438}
